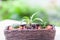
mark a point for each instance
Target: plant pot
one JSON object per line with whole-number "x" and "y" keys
{"x": 30, "y": 34}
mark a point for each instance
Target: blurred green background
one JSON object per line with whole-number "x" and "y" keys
{"x": 16, "y": 9}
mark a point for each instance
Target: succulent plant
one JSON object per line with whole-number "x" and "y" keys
{"x": 15, "y": 26}
{"x": 31, "y": 20}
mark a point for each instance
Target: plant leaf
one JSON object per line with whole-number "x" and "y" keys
{"x": 33, "y": 16}
{"x": 38, "y": 19}
{"x": 26, "y": 19}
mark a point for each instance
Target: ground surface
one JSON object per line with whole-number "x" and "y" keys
{"x": 5, "y": 23}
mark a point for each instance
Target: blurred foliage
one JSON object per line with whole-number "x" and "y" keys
{"x": 16, "y": 10}
{"x": 4, "y": 0}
